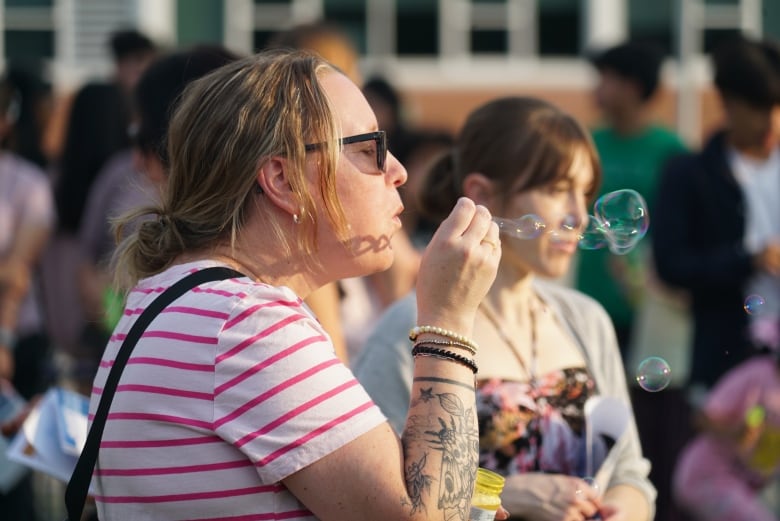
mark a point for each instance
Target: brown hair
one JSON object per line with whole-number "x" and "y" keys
{"x": 519, "y": 142}
{"x": 227, "y": 124}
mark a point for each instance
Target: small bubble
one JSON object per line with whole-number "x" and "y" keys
{"x": 528, "y": 226}
{"x": 653, "y": 374}
{"x": 754, "y": 304}
{"x": 582, "y": 494}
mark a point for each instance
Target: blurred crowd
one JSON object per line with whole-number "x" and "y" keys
{"x": 701, "y": 291}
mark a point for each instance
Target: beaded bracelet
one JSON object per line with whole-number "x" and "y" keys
{"x": 419, "y": 330}
{"x": 451, "y": 343}
{"x": 423, "y": 350}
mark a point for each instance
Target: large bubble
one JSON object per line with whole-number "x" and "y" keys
{"x": 624, "y": 219}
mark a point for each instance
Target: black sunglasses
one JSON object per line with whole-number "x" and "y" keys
{"x": 380, "y": 137}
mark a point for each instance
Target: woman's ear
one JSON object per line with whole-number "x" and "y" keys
{"x": 272, "y": 180}
{"x": 479, "y": 189}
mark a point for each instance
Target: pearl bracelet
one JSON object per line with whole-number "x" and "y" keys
{"x": 435, "y": 330}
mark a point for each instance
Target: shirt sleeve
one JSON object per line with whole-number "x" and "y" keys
{"x": 736, "y": 392}
{"x": 37, "y": 209}
{"x": 281, "y": 395}
{"x": 385, "y": 365}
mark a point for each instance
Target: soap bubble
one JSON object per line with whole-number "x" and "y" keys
{"x": 653, "y": 374}
{"x": 594, "y": 236}
{"x": 624, "y": 218}
{"x": 529, "y": 226}
{"x": 582, "y": 494}
{"x": 754, "y": 304}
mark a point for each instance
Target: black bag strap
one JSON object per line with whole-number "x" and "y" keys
{"x": 78, "y": 486}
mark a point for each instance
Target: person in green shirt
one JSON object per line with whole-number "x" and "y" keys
{"x": 633, "y": 150}
{"x": 649, "y": 317}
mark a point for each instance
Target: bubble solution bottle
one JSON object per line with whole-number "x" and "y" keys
{"x": 487, "y": 495}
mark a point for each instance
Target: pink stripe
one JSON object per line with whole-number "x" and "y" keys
{"x": 295, "y": 412}
{"x": 134, "y": 311}
{"x": 159, "y": 471}
{"x": 317, "y": 432}
{"x": 181, "y": 442}
{"x": 219, "y": 292}
{"x": 248, "y": 312}
{"x": 166, "y": 418}
{"x": 260, "y": 517}
{"x": 147, "y": 291}
{"x": 274, "y": 391}
{"x": 188, "y": 310}
{"x": 262, "y": 334}
{"x": 148, "y": 360}
{"x": 267, "y": 362}
{"x": 118, "y": 337}
{"x": 172, "y": 335}
{"x": 158, "y": 390}
{"x": 213, "y": 494}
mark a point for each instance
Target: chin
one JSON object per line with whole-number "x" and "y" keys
{"x": 554, "y": 270}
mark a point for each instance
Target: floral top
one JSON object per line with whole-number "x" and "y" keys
{"x": 535, "y": 428}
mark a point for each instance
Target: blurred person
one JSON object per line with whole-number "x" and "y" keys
{"x": 736, "y": 454}
{"x": 544, "y": 349}
{"x": 97, "y": 129}
{"x": 282, "y": 427}
{"x": 650, "y": 318}
{"x": 134, "y": 177}
{"x": 327, "y": 39}
{"x": 717, "y": 216}
{"x": 132, "y": 52}
{"x": 26, "y": 222}
{"x": 633, "y": 150}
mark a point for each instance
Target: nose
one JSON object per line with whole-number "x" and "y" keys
{"x": 578, "y": 211}
{"x": 395, "y": 170}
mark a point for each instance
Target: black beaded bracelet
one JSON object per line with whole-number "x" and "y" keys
{"x": 421, "y": 349}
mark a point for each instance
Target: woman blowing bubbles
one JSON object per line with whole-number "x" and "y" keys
{"x": 233, "y": 404}
{"x": 545, "y": 349}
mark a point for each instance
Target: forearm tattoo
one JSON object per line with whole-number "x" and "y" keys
{"x": 449, "y": 428}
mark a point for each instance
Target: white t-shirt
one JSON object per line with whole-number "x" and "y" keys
{"x": 760, "y": 183}
{"x": 234, "y": 387}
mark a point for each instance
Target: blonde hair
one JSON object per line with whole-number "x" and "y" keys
{"x": 227, "y": 124}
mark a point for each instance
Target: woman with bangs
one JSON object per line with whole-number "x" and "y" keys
{"x": 545, "y": 349}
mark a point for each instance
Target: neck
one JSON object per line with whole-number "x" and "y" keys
{"x": 512, "y": 290}
{"x": 289, "y": 272}
{"x": 753, "y": 151}
{"x": 629, "y": 122}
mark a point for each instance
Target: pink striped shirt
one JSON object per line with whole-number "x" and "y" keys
{"x": 234, "y": 387}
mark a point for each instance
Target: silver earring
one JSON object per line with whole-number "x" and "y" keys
{"x": 296, "y": 219}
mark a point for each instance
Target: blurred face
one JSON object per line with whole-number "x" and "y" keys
{"x": 368, "y": 195}
{"x": 562, "y": 206}
{"x": 130, "y": 69}
{"x": 752, "y": 127}
{"x": 615, "y": 94}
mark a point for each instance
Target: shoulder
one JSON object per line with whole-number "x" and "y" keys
{"x": 23, "y": 169}
{"x": 571, "y": 302}
{"x": 584, "y": 315}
